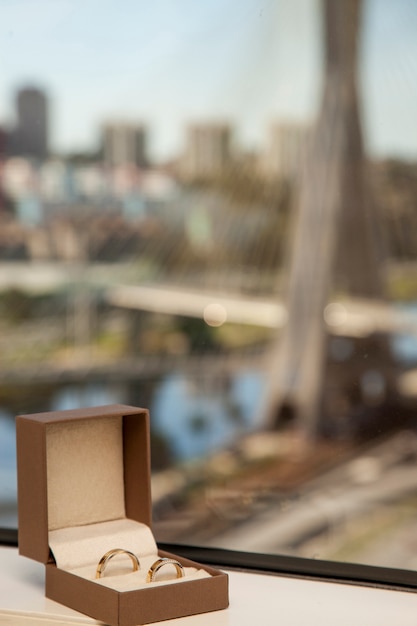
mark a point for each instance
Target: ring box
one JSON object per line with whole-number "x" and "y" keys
{"x": 84, "y": 488}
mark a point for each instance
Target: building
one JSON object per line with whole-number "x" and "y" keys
{"x": 18, "y": 178}
{"x": 30, "y": 136}
{"x": 284, "y": 150}
{"x": 208, "y": 151}
{"x": 124, "y": 143}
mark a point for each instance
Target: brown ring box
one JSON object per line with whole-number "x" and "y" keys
{"x": 72, "y": 474}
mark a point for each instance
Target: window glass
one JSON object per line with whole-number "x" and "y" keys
{"x": 210, "y": 209}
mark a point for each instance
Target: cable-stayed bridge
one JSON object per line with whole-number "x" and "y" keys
{"x": 355, "y": 317}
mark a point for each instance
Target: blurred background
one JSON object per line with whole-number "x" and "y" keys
{"x": 210, "y": 210}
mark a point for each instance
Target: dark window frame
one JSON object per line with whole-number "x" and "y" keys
{"x": 279, "y": 565}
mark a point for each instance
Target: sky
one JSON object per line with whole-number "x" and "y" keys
{"x": 170, "y": 62}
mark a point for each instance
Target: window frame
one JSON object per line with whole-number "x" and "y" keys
{"x": 281, "y": 565}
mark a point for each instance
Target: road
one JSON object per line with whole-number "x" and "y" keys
{"x": 353, "y": 513}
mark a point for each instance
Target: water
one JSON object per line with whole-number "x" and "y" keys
{"x": 197, "y": 420}
{"x": 404, "y": 346}
{"x": 8, "y": 484}
{"x": 195, "y": 417}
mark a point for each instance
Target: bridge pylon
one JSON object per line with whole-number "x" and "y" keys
{"x": 335, "y": 244}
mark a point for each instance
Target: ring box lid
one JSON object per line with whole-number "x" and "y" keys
{"x": 80, "y": 466}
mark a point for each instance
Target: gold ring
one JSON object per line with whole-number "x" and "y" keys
{"x": 110, "y": 554}
{"x": 155, "y": 567}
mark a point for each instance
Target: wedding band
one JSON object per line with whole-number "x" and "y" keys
{"x": 110, "y": 554}
{"x": 155, "y": 567}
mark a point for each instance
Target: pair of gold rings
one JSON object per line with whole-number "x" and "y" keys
{"x": 153, "y": 570}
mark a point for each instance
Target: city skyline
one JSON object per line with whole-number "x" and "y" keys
{"x": 245, "y": 63}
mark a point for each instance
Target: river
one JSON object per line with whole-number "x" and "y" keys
{"x": 194, "y": 418}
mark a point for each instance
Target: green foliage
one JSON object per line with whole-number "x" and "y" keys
{"x": 16, "y": 306}
{"x": 201, "y": 337}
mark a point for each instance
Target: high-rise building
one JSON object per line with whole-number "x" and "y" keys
{"x": 124, "y": 143}
{"x": 284, "y": 151}
{"x": 30, "y": 136}
{"x": 208, "y": 150}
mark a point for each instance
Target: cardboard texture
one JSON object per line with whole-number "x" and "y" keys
{"x": 80, "y": 473}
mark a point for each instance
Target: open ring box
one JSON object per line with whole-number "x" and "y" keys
{"x": 84, "y": 489}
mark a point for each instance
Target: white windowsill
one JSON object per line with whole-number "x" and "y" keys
{"x": 254, "y": 599}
